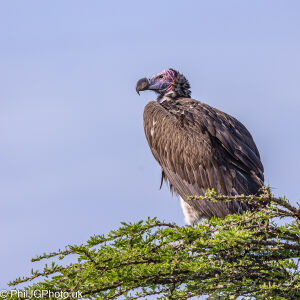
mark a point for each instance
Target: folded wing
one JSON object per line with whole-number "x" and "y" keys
{"x": 200, "y": 147}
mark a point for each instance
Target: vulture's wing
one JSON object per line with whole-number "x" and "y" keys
{"x": 199, "y": 147}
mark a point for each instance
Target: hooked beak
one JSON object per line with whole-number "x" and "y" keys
{"x": 142, "y": 85}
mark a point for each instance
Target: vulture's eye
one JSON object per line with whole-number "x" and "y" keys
{"x": 161, "y": 76}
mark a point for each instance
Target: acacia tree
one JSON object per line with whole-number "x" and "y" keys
{"x": 247, "y": 255}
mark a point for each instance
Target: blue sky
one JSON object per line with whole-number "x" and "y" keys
{"x": 74, "y": 159}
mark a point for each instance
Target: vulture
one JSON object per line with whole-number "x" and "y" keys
{"x": 199, "y": 147}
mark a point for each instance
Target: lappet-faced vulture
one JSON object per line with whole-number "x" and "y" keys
{"x": 199, "y": 147}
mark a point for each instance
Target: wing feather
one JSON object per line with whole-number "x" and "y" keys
{"x": 200, "y": 147}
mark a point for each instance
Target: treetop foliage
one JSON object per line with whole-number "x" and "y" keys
{"x": 247, "y": 255}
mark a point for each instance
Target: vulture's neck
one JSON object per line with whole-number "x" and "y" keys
{"x": 168, "y": 96}
{"x": 175, "y": 93}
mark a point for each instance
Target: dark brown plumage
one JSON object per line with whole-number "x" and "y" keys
{"x": 199, "y": 147}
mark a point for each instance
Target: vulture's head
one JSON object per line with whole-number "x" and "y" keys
{"x": 169, "y": 83}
